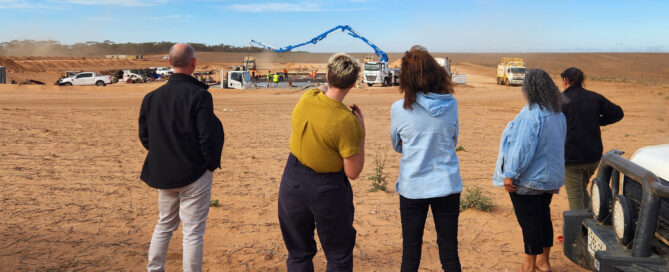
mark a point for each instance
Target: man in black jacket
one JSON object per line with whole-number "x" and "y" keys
{"x": 184, "y": 138}
{"x": 586, "y": 111}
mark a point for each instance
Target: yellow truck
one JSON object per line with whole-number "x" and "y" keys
{"x": 249, "y": 63}
{"x": 511, "y": 71}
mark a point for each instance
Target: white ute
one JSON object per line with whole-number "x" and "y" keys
{"x": 164, "y": 71}
{"x": 85, "y": 78}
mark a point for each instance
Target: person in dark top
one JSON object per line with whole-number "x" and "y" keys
{"x": 184, "y": 138}
{"x": 586, "y": 111}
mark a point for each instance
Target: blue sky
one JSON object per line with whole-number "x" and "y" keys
{"x": 393, "y": 25}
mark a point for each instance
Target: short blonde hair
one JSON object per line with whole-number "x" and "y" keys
{"x": 343, "y": 70}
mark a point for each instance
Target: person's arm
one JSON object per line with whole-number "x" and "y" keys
{"x": 209, "y": 130}
{"x": 143, "y": 125}
{"x": 522, "y": 146}
{"x": 395, "y": 138}
{"x": 609, "y": 112}
{"x": 456, "y": 136}
{"x": 353, "y": 164}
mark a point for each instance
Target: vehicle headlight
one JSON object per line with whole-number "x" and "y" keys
{"x": 624, "y": 216}
{"x": 601, "y": 200}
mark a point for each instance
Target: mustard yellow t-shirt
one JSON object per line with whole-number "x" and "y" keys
{"x": 324, "y": 132}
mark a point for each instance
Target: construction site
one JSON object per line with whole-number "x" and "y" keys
{"x": 70, "y": 158}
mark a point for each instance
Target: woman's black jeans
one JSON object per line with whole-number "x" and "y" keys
{"x": 445, "y": 211}
{"x": 534, "y": 216}
{"x": 324, "y": 201}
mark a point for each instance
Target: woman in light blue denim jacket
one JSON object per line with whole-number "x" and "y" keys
{"x": 530, "y": 165}
{"x": 424, "y": 128}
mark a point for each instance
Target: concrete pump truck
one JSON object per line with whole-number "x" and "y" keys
{"x": 374, "y": 72}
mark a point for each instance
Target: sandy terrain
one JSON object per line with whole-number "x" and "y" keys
{"x": 646, "y": 68}
{"x": 72, "y": 201}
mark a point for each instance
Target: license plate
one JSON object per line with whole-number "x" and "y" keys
{"x": 594, "y": 243}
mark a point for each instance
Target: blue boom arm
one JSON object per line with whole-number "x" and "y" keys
{"x": 343, "y": 28}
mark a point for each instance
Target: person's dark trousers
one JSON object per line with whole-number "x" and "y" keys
{"x": 534, "y": 216}
{"x": 307, "y": 200}
{"x": 413, "y": 213}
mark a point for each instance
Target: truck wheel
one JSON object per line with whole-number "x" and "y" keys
{"x": 100, "y": 83}
{"x": 386, "y": 82}
{"x": 370, "y": 84}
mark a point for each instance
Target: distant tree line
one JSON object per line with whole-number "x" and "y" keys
{"x": 97, "y": 49}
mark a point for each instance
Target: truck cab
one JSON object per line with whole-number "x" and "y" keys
{"x": 379, "y": 73}
{"x": 237, "y": 80}
{"x": 515, "y": 75}
{"x": 511, "y": 71}
{"x": 626, "y": 227}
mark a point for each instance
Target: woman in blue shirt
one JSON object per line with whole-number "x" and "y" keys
{"x": 530, "y": 165}
{"x": 424, "y": 128}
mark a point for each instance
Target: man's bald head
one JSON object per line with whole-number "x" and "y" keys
{"x": 181, "y": 55}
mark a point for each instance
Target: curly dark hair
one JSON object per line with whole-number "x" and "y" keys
{"x": 539, "y": 89}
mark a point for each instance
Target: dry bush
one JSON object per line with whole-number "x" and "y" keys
{"x": 474, "y": 198}
{"x": 379, "y": 179}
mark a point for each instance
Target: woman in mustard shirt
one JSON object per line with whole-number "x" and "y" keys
{"x": 327, "y": 147}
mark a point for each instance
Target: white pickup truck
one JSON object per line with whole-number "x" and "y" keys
{"x": 164, "y": 71}
{"x": 85, "y": 78}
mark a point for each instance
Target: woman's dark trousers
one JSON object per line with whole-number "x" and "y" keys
{"x": 534, "y": 216}
{"x": 445, "y": 211}
{"x": 309, "y": 200}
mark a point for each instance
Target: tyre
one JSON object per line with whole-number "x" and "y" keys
{"x": 386, "y": 82}
{"x": 370, "y": 84}
{"x": 100, "y": 83}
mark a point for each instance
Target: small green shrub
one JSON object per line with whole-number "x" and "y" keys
{"x": 474, "y": 198}
{"x": 379, "y": 179}
{"x": 460, "y": 148}
{"x": 214, "y": 203}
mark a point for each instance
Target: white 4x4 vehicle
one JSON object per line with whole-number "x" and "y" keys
{"x": 627, "y": 225}
{"x": 85, "y": 78}
{"x": 164, "y": 71}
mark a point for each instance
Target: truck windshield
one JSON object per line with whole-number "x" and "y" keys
{"x": 517, "y": 70}
{"x": 372, "y": 66}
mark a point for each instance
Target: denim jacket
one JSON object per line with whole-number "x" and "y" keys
{"x": 426, "y": 136}
{"x": 531, "y": 150}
